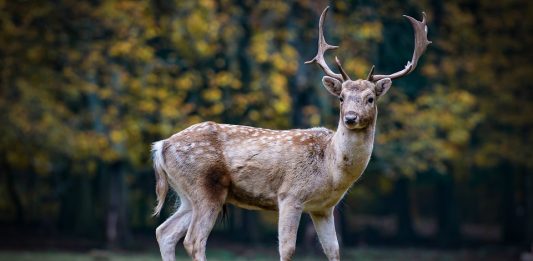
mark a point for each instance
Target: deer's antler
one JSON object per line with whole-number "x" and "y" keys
{"x": 322, "y": 48}
{"x": 421, "y": 43}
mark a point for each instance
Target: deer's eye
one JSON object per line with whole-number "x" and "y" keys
{"x": 341, "y": 99}
{"x": 370, "y": 100}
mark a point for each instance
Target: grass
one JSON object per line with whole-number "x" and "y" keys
{"x": 104, "y": 256}
{"x": 363, "y": 254}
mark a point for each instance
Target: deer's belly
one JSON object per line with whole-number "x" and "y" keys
{"x": 256, "y": 176}
{"x": 253, "y": 188}
{"x": 249, "y": 198}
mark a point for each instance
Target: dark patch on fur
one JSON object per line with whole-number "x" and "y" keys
{"x": 216, "y": 181}
{"x": 245, "y": 197}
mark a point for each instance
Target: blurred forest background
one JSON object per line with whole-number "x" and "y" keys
{"x": 86, "y": 86}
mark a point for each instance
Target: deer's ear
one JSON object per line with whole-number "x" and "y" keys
{"x": 382, "y": 86}
{"x": 332, "y": 85}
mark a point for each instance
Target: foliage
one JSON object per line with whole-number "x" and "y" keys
{"x": 87, "y": 86}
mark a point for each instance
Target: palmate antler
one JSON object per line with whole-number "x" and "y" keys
{"x": 421, "y": 43}
{"x": 322, "y": 48}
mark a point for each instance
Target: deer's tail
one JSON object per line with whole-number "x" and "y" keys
{"x": 161, "y": 187}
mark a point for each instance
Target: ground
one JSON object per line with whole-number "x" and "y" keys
{"x": 366, "y": 254}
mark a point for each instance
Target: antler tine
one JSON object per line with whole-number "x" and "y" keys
{"x": 421, "y": 43}
{"x": 345, "y": 76}
{"x": 371, "y": 73}
{"x": 322, "y": 48}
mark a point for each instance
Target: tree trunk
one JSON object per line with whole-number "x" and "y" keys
{"x": 117, "y": 232}
{"x": 403, "y": 211}
{"x": 85, "y": 216}
{"x": 14, "y": 196}
{"x": 512, "y": 226}
{"x": 529, "y": 208}
{"x": 447, "y": 212}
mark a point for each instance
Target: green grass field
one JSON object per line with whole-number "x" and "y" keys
{"x": 364, "y": 254}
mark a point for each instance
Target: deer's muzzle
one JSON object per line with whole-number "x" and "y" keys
{"x": 351, "y": 119}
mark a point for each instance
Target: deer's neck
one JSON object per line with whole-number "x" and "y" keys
{"x": 350, "y": 152}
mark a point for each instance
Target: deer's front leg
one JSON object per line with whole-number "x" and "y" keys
{"x": 325, "y": 228}
{"x": 290, "y": 212}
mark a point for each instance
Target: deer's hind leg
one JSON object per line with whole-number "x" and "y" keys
{"x": 207, "y": 201}
{"x": 203, "y": 220}
{"x": 173, "y": 229}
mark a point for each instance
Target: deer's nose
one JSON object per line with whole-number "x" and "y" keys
{"x": 350, "y": 118}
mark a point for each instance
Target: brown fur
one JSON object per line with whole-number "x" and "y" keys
{"x": 210, "y": 164}
{"x": 216, "y": 182}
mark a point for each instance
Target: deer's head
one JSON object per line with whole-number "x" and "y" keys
{"x": 358, "y": 98}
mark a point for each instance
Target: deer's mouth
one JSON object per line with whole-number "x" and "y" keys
{"x": 355, "y": 126}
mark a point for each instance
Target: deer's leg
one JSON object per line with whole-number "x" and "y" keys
{"x": 173, "y": 229}
{"x": 290, "y": 212}
{"x": 203, "y": 220}
{"x": 325, "y": 228}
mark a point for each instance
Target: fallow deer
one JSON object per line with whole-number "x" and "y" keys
{"x": 290, "y": 171}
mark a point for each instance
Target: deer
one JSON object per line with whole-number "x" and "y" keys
{"x": 292, "y": 171}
